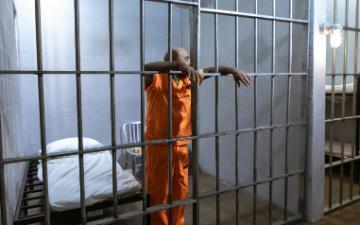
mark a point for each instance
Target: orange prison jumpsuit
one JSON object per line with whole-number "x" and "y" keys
{"x": 157, "y": 154}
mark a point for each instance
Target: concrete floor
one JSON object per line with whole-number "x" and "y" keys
{"x": 336, "y": 186}
{"x": 346, "y": 216}
{"x": 349, "y": 215}
{"x": 227, "y": 207}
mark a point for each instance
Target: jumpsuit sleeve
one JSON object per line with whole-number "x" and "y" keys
{"x": 153, "y": 83}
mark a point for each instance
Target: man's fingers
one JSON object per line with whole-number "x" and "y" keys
{"x": 188, "y": 71}
{"x": 193, "y": 75}
{"x": 243, "y": 79}
{"x": 248, "y": 79}
{"x": 238, "y": 78}
{"x": 198, "y": 76}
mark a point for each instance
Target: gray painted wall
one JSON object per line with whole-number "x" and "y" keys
{"x": 10, "y": 106}
{"x": 59, "y": 53}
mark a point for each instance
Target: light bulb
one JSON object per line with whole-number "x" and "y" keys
{"x": 335, "y": 38}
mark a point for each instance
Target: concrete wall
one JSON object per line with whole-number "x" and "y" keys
{"x": 59, "y": 54}
{"x": 10, "y": 106}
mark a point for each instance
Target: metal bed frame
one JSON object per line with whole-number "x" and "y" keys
{"x": 33, "y": 186}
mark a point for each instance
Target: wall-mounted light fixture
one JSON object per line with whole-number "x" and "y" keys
{"x": 335, "y": 31}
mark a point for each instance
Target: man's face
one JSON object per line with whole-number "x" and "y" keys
{"x": 183, "y": 56}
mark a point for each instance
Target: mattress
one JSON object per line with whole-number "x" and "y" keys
{"x": 63, "y": 176}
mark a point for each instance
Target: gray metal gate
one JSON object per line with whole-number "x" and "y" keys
{"x": 289, "y": 81}
{"x": 342, "y": 110}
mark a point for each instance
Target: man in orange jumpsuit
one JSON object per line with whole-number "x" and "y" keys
{"x": 156, "y": 87}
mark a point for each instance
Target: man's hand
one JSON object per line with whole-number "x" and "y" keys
{"x": 241, "y": 77}
{"x": 238, "y": 75}
{"x": 189, "y": 71}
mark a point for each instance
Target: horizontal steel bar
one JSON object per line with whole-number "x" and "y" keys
{"x": 135, "y": 213}
{"x": 32, "y": 198}
{"x": 337, "y": 206}
{"x": 33, "y": 185}
{"x": 252, "y": 15}
{"x": 129, "y": 72}
{"x": 176, "y": 2}
{"x": 342, "y": 119}
{"x": 33, "y": 191}
{"x": 31, "y": 206}
{"x": 250, "y": 184}
{"x": 29, "y": 219}
{"x": 161, "y": 141}
{"x": 31, "y": 179}
{"x": 124, "y": 216}
{"x": 343, "y": 161}
{"x": 352, "y": 28}
{"x": 342, "y": 74}
{"x": 89, "y": 72}
{"x": 290, "y": 220}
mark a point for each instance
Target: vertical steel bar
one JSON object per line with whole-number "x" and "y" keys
{"x": 142, "y": 106}
{"x": 357, "y": 127}
{"x": 343, "y": 106}
{"x": 357, "y": 132}
{"x": 3, "y": 211}
{"x": 217, "y": 166}
{"x": 195, "y": 49}
{"x": 331, "y": 133}
{"x": 286, "y": 149}
{"x": 79, "y": 110}
{"x": 288, "y": 105}
{"x": 357, "y": 95}
{"x": 255, "y": 122}
{"x": 170, "y": 144}
{"x": 237, "y": 206}
{"x": 354, "y": 103}
{"x": 333, "y": 68}
{"x": 39, "y": 57}
{"x": 112, "y": 106}
{"x": 271, "y": 111}
{"x": 315, "y": 132}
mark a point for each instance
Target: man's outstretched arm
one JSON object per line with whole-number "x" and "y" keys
{"x": 157, "y": 66}
{"x": 164, "y": 66}
{"x": 238, "y": 75}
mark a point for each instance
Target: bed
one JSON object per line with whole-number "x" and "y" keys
{"x": 64, "y": 191}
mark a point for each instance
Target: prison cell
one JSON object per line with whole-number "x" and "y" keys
{"x": 342, "y": 137}
{"x": 265, "y": 77}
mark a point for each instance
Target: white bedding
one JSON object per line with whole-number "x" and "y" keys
{"x": 63, "y": 176}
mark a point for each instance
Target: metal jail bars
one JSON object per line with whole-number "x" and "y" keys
{"x": 343, "y": 156}
{"x": 194, "y": 200}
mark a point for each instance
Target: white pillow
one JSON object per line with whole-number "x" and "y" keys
{"x": 71, "y": 144}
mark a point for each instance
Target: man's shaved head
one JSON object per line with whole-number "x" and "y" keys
{"x": 178, "y": 54}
